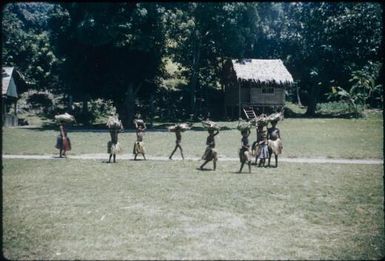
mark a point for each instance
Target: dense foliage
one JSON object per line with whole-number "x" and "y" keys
{"x": 119, "y": 51}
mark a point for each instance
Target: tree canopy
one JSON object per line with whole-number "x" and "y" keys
{"x": 118, "y": 50}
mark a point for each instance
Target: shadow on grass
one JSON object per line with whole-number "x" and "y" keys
{"x": 204, "y": 169}
{"x": 240, "y": 173}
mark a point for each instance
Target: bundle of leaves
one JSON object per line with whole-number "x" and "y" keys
{"x": 139, "y": 122}
{"x": 210, "y": 125}
{"x": 275, "y": 117}
{"x": 181, "y": 127}
{"x": 114, "y": 123}
{"x": 243, "y": 126}
{"x": 261, "y": 120}
{"x": 64, "y": 118}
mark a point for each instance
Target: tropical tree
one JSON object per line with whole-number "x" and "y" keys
{"x": 332, "y": 40}
{"x": 26, "y": 45}
{"x": 202, "y": 35}
{"x": 111, "y": 50}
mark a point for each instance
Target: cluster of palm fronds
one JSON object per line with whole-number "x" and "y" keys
{"x": 262, "y": 119}
{"x": 180, "y": 127}
{"x": 64, "y": 118}
{"x": 114, "y": 123}
{"x": 210, "y": 125}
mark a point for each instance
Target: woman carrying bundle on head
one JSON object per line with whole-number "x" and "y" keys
{"x": 140, "y": 126}
{"x": 178, "y": 129}
{"x": 210, "y": 152}
{"x": 113, "y": 147}
{"x": 244, "y": 151}
{"x": 274, "y": 139}
{"x": 63, "y": 142}
{"x": 260, "y": 146}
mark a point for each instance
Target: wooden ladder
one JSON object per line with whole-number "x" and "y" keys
{"x": 249, "y": 112}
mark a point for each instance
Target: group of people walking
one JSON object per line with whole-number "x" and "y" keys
{"x": 268, "y": 142}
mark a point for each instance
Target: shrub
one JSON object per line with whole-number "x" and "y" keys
{"x": 338, "y": 108}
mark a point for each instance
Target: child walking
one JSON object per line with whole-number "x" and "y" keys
{"x": 113, "y": 147}
{"x": 274, "y": 142}
{"x": 63, "y": 142}
{"x": 178, "y": 129}
{"x": 210, "y": 152}
{"x": 262, "y": 152}
{"x": 140, "y": 126}
{"x": 244, "y": 151}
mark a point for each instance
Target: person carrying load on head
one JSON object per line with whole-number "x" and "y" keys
{"x": 260, "y": 149}
{"x": 113, "y": 147}
{"x": 63, "y": 142}
{"x": 140, "y": 126}
{"x": 274, "y": 139}
{"x": 178, "y": 129}
{"x": 210, "y": 153}
{"x": 244, "y": 151}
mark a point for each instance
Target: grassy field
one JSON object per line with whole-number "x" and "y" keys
{"x": 86, "y": 209}
{"x": 333, "y": 138}
{"x": 75, "y": 209}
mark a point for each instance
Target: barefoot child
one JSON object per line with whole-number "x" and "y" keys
{"x": 63, "y": 143}
{"x": 113, "y": 146}
{"x": 244, "y": 152}
{"x": 262, "y": 152}
{"x": 274, "y": 142}
{"x": 139, "y": 144}
{"x": 210, "y": 152}
{"x": 178, "y": 129}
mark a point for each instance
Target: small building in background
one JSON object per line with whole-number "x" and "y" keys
{"x": 254, "y": 84}
{"x": 9, "y": 97}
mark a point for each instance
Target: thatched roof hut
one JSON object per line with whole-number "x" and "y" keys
{"x": 8, "y": 85}
{"x": 9, "y": 96}
{"x": 262, "y": 71}
{"x": 256, "y": 83}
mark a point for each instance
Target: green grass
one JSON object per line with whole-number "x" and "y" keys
{"x": 86, "y": 209}
{"x": 332, "y": 138}
{"x": 75, "y": 209}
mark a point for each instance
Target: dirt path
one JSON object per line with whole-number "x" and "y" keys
{"x": 102, "y": 156}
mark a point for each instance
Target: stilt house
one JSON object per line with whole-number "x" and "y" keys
{"x": 254, "y": 84}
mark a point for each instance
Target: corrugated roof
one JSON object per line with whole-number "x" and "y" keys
{"x": 262, "y": 70}
{"x": 6, "y": 74}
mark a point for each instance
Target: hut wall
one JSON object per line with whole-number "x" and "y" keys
{"x": 231, "y": 94}
{"x": 245, "y": 95}
{"x": 257, "y": 97}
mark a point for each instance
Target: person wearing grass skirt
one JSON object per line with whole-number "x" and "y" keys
{"x": 244, "y": 151}
{"x": 139, "y": 144}
{"x": 274, "y": 142}
{"x": 210, "y": 152}
{"x": 262, "y": 151}
{"x": 113, "y": 146}
{"x": 63, "y": 143}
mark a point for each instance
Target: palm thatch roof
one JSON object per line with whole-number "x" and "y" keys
{"x": 262, "y": 71}
{"x": 8, "y": 85}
